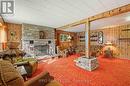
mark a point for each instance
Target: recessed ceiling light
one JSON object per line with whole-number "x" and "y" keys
{"x": 128, "y": 18}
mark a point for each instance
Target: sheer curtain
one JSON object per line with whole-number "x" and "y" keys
{"x": 0, "y": 40}
{"x": 3, "y": 38}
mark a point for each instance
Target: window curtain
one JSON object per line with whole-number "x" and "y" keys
{"x": 3, "y": 38}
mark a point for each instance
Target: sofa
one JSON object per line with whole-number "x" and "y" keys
{"x": 9, "y": 76}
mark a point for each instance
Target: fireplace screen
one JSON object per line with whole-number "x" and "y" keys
{"x": 41, "y": 50}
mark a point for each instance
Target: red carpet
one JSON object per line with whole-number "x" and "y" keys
{"x": 111, "y": 72}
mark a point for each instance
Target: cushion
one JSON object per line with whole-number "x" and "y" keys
{"x": 9, "y": 76}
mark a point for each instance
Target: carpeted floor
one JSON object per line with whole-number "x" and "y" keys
{"x": 111, "y": 72}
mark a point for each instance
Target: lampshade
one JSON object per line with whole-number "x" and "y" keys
{"x": 69, "y": 37}
{"x": 112, "y": 47}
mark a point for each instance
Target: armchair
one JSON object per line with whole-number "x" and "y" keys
{"x": 9, "y": 76}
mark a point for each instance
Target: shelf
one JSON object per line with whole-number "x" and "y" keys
{"x": 94, "y": 40}
{"x": 93, "y": 36}
{"x": 126, "y": 30}
{"x": 124, "y": 38}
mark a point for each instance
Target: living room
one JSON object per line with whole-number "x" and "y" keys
{"x": 84, "y": 49}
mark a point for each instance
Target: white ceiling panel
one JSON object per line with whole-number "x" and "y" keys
{"x": 56, "y": 13}
{"x": 78, "y": 28}
{"x": 111, "y": 22}
{"x": 103, "y": 23}
{"x": 114, "y": 3}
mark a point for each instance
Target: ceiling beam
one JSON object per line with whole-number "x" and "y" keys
{"x": 106, "y": 14}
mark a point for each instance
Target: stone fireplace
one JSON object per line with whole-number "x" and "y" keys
{"x": 32, "y": 43}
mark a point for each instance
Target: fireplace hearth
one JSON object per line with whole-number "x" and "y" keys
{"x": 38, "y": 47}
{"x": 41, "y": 50}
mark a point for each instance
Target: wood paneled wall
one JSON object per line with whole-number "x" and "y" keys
{"x": 80, "y": 42}
{"x": 113, "y": 34}
{"x": 65, "y": 44}
{"x": 17, "y": 29}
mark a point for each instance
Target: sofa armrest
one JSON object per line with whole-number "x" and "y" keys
{"x": 40, "y": 80}
{"x": 21, "y": 63}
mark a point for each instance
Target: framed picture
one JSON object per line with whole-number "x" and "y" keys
{"x": 64, "y": 37}
{"x": 61, "y": 37}
{"x": 42, "y": 35}
{"x": 100, "y": 37}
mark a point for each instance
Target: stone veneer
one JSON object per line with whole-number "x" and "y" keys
{"x": 31, "y": 33}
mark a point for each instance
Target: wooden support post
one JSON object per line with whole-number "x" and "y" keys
{"x": 87, "y": 39}
{"x": 87, "y": 62}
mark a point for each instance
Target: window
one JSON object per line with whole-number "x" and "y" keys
{"x": 3, "y": 37}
